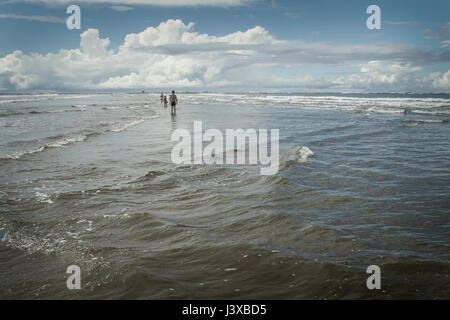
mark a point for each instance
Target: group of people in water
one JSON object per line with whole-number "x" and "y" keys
{"x": 173, "y": 102}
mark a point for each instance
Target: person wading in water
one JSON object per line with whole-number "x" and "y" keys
{"x": 173, "y": 103}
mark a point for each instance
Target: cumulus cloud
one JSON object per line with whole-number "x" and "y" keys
{"x": 384, "y": 76}
{"x": 92, "y": 45}
{"x": 168, "y": 35}
{"x": 172, "y": 54}
{"x": 441, "y": 82}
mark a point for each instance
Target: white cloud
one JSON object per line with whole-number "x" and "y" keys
{"x": 400, "y": 22}
{"x": 442, "y": 31}
{"x": 385, "y": 76}
{"x": 445, "y": 43}
{"x": 92, "y": 45}
{"x": 122, "y": 8}
{"x": 175, "y": 32}
{"x": 33, "y": 18}
{"x": 441, "y": 83}
{"x": 163, "y": 3}
{"x": 173, "y": 55}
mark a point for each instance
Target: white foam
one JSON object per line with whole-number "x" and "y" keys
{"x": 301, "y": 154}
{"x": 330, "y": 102}
{"x": 65, "y": 141}
{"x": 127, "y": 125}
{"x": 19, "y": 154}
{"x": 133, "y": 123}
{"x": 60, "y": 143}
{"x": 44, "y": 198}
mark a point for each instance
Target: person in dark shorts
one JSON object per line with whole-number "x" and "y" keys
{"x": 173, "y": 103}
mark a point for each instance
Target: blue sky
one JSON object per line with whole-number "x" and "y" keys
{"x": 418, "y": 30}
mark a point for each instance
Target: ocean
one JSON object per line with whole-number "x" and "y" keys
{"x": 87, "y": 180}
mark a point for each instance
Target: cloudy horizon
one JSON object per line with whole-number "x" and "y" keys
{"x": 190, "y": 46}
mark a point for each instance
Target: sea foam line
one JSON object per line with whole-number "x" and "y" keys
{"x": 133, "y": 123}
{"x": 57, "y": 144}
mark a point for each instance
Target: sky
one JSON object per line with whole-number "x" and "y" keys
{"x": 225, "y": 45}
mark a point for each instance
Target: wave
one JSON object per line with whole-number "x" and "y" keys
{"x": 8, "y": 114}
{"x": 127, "y": 125}
{"x": 301, "y": 154}
{"x": 65, "y": 141}
{"x": 394, "y": 105}
{"x": 60, "y": 143}
{"x": 133, "y": 123}
{"x": 149, "y": 176}
{"x": 4, "y": 99}
{"x": 73, "y": 139}
{"x": 348, "y": 137}
{"x": 47, "y": 239}
{"x": 18, "y": 154}
{"x": 32, "y": 98}
{"x": 425, "y": 121}
{"x": 35, "y": 112}
{"x": 111, "y": 108}
{"x": 42, "y": 197}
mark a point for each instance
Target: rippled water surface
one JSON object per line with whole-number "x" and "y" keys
{"x": 87, "y": 179}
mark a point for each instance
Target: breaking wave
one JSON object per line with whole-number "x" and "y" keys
{"x": 60, "y": 143}
{"x": 301, "y": 154}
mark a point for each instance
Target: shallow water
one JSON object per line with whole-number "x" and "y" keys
{"x": 87, "y": 179}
